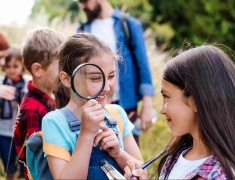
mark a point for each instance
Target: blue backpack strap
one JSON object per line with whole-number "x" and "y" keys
{"x": 37, "y": 164}
{"x": 115, "y": 115}
{"x": 74, "y": 123}
{"x": 111, "y": 121}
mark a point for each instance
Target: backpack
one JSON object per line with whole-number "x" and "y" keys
{"x": 125, "y": 27}
{"x": 37, "y": 165}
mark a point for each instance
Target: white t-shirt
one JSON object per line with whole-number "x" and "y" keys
{"x": 183, "y": 166}
{"x": 103, "y": 29}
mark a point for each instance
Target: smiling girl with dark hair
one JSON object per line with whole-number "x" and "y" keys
{"x": 198, "y": 89}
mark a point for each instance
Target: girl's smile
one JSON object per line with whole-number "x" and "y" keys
{"x": 168, "y": 120}
{"x": 179, "y": 110}
{"x": 101, "y": 98}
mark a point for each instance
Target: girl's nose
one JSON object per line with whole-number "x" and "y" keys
{"x": 107, "y": 86}
{"x": 12, "y": 70}
{"x": 163, "y": 109}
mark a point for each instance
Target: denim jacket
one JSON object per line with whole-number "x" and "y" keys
{"x": 135, "y": 78}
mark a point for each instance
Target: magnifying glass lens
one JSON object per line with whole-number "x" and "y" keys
{"x": 88, "y": 81}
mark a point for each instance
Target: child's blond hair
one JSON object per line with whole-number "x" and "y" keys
{"x": 39, "y": 46}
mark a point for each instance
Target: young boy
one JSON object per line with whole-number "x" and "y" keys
{"x": 15, "y": 77}
{"x": 6, "y": 92}
{"x": 40, "y": 59}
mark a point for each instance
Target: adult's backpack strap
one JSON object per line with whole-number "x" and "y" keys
{"x": 74, "y": 123}
{"x": 124, "y": 22}
{"x": 128, "y": 35}
{"x": 114, "y": 113}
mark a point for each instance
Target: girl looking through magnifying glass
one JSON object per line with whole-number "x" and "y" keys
{"x": 77, "y": 157}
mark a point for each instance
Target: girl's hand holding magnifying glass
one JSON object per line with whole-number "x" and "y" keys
{"x": 92, "y": 115}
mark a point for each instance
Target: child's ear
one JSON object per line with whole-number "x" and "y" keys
{"x": 192, "y": 103}
{"x": 65, "y": 79}
{"x": 36, "y": 69}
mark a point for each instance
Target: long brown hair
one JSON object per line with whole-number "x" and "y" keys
{"x": 208, "y": 75}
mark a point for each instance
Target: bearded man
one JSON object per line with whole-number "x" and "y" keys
{"x": 134, "y": 77}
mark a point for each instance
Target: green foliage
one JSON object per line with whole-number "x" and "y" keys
{"x": 162, "y": 34}
{"x": 197, "y": 21}
{"x": 55, "y": 9}
{"x": 73, "y": 9}
{"x": 172, "y": 22}
{"x": 140, "y": 9}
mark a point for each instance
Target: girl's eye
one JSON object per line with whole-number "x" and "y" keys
{"x": 95, "y": 78}
{"x": 164, "y": 96}
{"x": 111, "y": 76}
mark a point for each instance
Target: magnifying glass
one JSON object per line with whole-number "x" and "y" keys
{"x": 88, "y": 81}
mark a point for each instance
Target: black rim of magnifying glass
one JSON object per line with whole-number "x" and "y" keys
{"x": 72, "y": 81}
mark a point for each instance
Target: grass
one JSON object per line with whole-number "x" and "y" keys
{"x": 2, "y": 174}
{"x": 154, "y": 141}
{"x": 1, "y": 170}
{"x": 157, "y": 137}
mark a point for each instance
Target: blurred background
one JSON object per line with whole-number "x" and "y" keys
{"x": 168, "y": 25}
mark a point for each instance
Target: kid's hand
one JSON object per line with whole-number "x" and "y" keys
{"x": 132, "y": 168}
{"x": 7, "y": 92}
{"x": 92, "y": 115}
{"x": 108, "y": 141}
